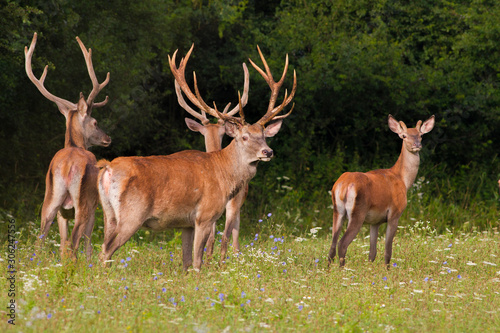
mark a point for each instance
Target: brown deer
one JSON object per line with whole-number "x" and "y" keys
{"x": 213, "y": 134}
{"x": 189, "y": 189}
{"x": 377, "y": 196}
{"x": 71, "y": 182}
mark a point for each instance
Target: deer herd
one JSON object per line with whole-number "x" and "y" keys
{"x": 190, "y": 190}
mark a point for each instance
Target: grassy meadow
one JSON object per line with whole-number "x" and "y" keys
{"x": 281, "y": 281}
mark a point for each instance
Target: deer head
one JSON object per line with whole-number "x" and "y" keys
{"x": 81, "y": 129}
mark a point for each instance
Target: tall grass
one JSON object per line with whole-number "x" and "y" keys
{"x": 280, "y": 281}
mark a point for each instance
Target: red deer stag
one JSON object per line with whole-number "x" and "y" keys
{"x": 377, "y": 196}
{"x": 188, "y": 189}
{"x": 213, "y": 134}
{"x": 71, "y": 182}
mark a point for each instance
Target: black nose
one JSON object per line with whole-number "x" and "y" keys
{"x": 267, "y": 153}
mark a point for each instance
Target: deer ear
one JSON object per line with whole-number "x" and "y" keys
{"x": 428, "y": 125}
{"x": 232, "y": 129}
{"x": 195, "y": 126}
{"x": 273, "y": 128}
{"x": 82, "y": 107}
{"x": 394, "y": 125}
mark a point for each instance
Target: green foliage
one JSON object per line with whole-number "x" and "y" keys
{"x": 356, "y": 62}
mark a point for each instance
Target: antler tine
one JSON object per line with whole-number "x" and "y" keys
{"x": 204, "y": 106}
{"x": 179, "y": 75}
{"x": 63, "y": 105}
{"x": 200, "y": 116}
{"x": 246, "y": 87}
{"x": 96, "y": 86}
{"x": 272, "y": 111}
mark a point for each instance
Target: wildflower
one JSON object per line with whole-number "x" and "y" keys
{"x": 196, "y": 288}
{"x": 47, "y": 295}
{"x": 98, "y": 311}
{"x": 258, "y": 275}
{"x": 128, "y": 258}
{"x": 221, "y": 297}
{"x": 212, "y": 304}
{"x": 49, "y": 316}
{"x": 284, "y": 271}
{"x": 122, "y": 261}
{"x": 90, "y": 266}
{"x": 317, "y": 260}
{"x": 450, "y": 245}
{"x": 426, "y": 279}
{"x": 445, "y": 262}
{"x": 301, "y": 307}
{"x": 394, "y": 265}
{"x": 271, "y": 236}
{"x": 126, "y": 288}
{"x": 269, "y": 215}
{"x": 384, "y": 278}
{"x": 248, "y": 302}
{"x": 262, "y": 289}
{"x": 243, "y": 294}
{"x": 459, "y": 276}
{"x": 155, "y": 278}
{"x": 164, "y": 289}
{"x": 183, "y": 299}
{"x": 260, "y": 220}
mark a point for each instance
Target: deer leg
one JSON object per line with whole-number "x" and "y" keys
{"x": 63, "y": 232}
{"x": 81, "y": 220}
{"x": 232, "y": 214}
{"x": 338, "y": 217}
{"x": 355, "y": 223}
{"x": 88, "y": 234}
{"x": 373, "y": 241}
{"x": 121, "y": 234}
{"x": 392, "y": 227}
{"x": 201, "y": 234}
{"x": 187, "y": 247}
{"x": 49, "y": 210}
{"x": 211, "y": 242}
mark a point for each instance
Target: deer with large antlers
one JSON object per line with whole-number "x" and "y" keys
{"x": 189, "y": 189}
{"x": 377, "y": 196}
{"x": 71, "y": 182}
{"x": 213, "y": 134}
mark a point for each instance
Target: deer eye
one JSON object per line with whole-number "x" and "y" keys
{"x": 245, "y": 137}
{"x": 404, "y": 136}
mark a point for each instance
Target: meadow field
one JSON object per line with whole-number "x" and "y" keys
{"x": 281, "y": 281}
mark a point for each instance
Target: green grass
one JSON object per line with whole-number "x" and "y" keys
{"x": 439, "y": 283}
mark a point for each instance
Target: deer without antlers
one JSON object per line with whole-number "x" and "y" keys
{"x": 377, "y": 196}
{"x": 70, "y": 185}
{"x": 188, "y": 189}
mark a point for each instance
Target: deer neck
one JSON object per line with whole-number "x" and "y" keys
{"x": 232, "y": 168}
{"x": 406, "y": 166}
{"x": 74, "y": 136}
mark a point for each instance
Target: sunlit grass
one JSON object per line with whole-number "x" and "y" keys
{"x": 279, "y": 282}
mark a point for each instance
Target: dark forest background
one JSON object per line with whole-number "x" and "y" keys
{"x": 356, "y": 62}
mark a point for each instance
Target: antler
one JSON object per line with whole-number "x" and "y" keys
{"x": 63, "y": 105}
{"x": 96, "y": 87}
{"x": 197, "y": 100}
{"x": 272, "y": 111}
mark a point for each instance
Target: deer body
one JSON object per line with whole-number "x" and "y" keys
{"x": 189, "y": 189}
{"x": 377, "y": 196}
{"x": 71, "y": 181}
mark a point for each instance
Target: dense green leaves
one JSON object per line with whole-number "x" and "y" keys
{"x": 356, "y": 62}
